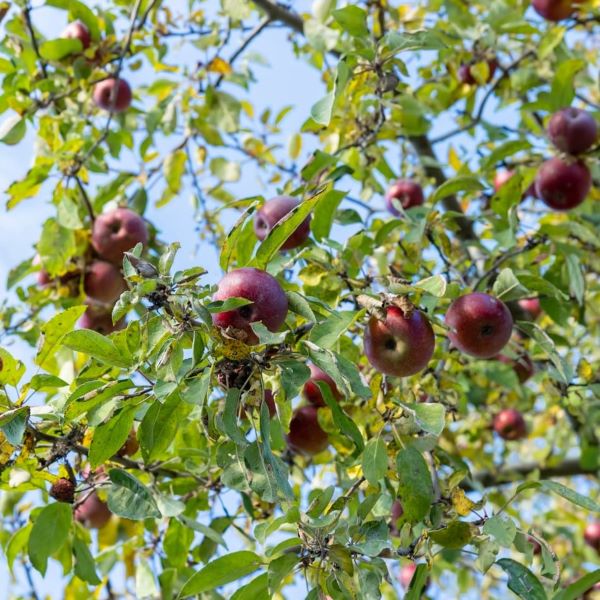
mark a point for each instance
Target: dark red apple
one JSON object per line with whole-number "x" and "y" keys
{"x": 572, "y": 130}
{"x": 97, "y": 318}
{"x": 563, "y": 185}
{"x": 103, "y": 282}
{"x": 480, "y": 325}
{"x": 113, "y": 95}
{"x": 272, "y": 212}
{"x": 522, "y": 365}
{"x": 553, "y": 10}
{"x": 509, "y": 424}
{"x": 591, "y": 535}
{"x": 466, "y": 76}
{"x": 116, "y": 232}
{"x": 78, "y": 31}
{"x": 402, "y": 344}
{"x": 306, "y": 435}
{"x": 531, "y": 306}
{"x": 311, "y": 390}
{"x": 407, "y": 193}
{"x": 397, "y": 512}
{"x": 93, "y": 512}
{"x": 269, "y": 302}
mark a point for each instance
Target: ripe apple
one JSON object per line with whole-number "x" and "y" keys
{"x": 466, "y": 76}
{"x": 397, "y": 512}
{"x": 97, "y": 318}
{"x": 523, "y": 366}
{"x": 113, "y": 95}
{"x": 402, "y": 344}
{"x": 407, "y": 193}
{"x": 103, "y": 282}
{"x": 78, "y": 31}
{"x": 480, "y": 325}
{"x": 272, "y": 212}
{"x": 572, "y": 130}
{"x": 131, "y": 445}
{"x": 591, "y": 535}
{"x": 509, "y": 424}
{"x": 311, "y": 390}
{"x": 563, "y": 185}
{"x": 553, "y": 10}
{"x": 306, "y": 435}
{"x": 92, "y": 512}
{"x": 269, "y": 302}
{"x": 116, "y": 232}
{"x": 531, "y": 306}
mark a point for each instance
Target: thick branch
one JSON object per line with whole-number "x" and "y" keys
{"x": 276, "y": 12}
{"x": 567, "y": 468}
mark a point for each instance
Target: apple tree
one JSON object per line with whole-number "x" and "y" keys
{"x": 388, "y": 383}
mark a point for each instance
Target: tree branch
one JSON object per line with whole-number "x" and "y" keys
{"x": 276, "y": 12}
{"x": 504, "y": 476}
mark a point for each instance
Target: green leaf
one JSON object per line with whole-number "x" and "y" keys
{"x": 84, "y": 567}
{"x": 221, "y": 571}
{"x": 298, "y": 304}
{"x": 158, "y": 427}
{"x": 576, "y": 280}
{"x": 13, "y": 130}
{"x": 322, "y": 109}
{"x": 462, "y": 183}
{"x": 502, "y": 528}
{"x": 283, "y": 229}
{"x": 230, "y": 242}
{"x": 256, "y": 589}
{"x": 13, "y": 423}
{"x": 324, "y": 214}
{"x": 454, "y": 536}
{"x": 578, "y": 588}
{"x": 11, "y": 370}
{"x": 110, "y": 436}
{"x": 417, "y": 583}
{"x": 375, "y": 461}
{"x": 129, "y": 498}
{"x": 225, "y": 170}
{"x": 57, "y": 49}
{"x": 96, "y": 345}
{"x": 522, "y": 581}
{"x": 352, "y": 19}
{"x": 507, "y": 287}
{"x": 435, "y": 285}
{"x": 173, "y": 170}
{"x": 426, "y": 39}
{"x": 54, "y": 331}
{"x": 570, "y": 495}
{"x": 431, "y": 417}
{"x": 563, "y": 89}
{"x": 415, "y": 489}
{"x": 49, "y": 532}
{"x": 327, "y": 333}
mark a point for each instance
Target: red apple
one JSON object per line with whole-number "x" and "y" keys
{"x": 553, "y": 10}
{"x": 92, "y": 512}
{"x": 572, "y": 130}
{"x": 306, "y": 435}
{"x": 407, "y": 193}
{"x": 103, "y": 282}
{"x": 523, "y": 366}
{"x": 402, "y": 344}
{"x": 116, "y": 232}
{"x": 311, "y": 390}
{"x": 466, "y": 76}
{"x": 98, "y": 319}
{"x": 531, "y": 306}
{"x": 509, "y": 424}
{"x": 480, "y": 325}
{"x": 113, "y": 95}
{"x": 591, "y": 535}
{"x": 272, "y": 212}
{"x": 563, "y": 185}
{"x": 78, "y": 31}
{"x": 269, "y": 302}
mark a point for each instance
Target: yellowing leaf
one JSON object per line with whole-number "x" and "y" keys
{"x": 453, "y": 159}
{"x": 218, "y": 65}
{"x": 585, "y": 371}
{"x": 462, "y": 505}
